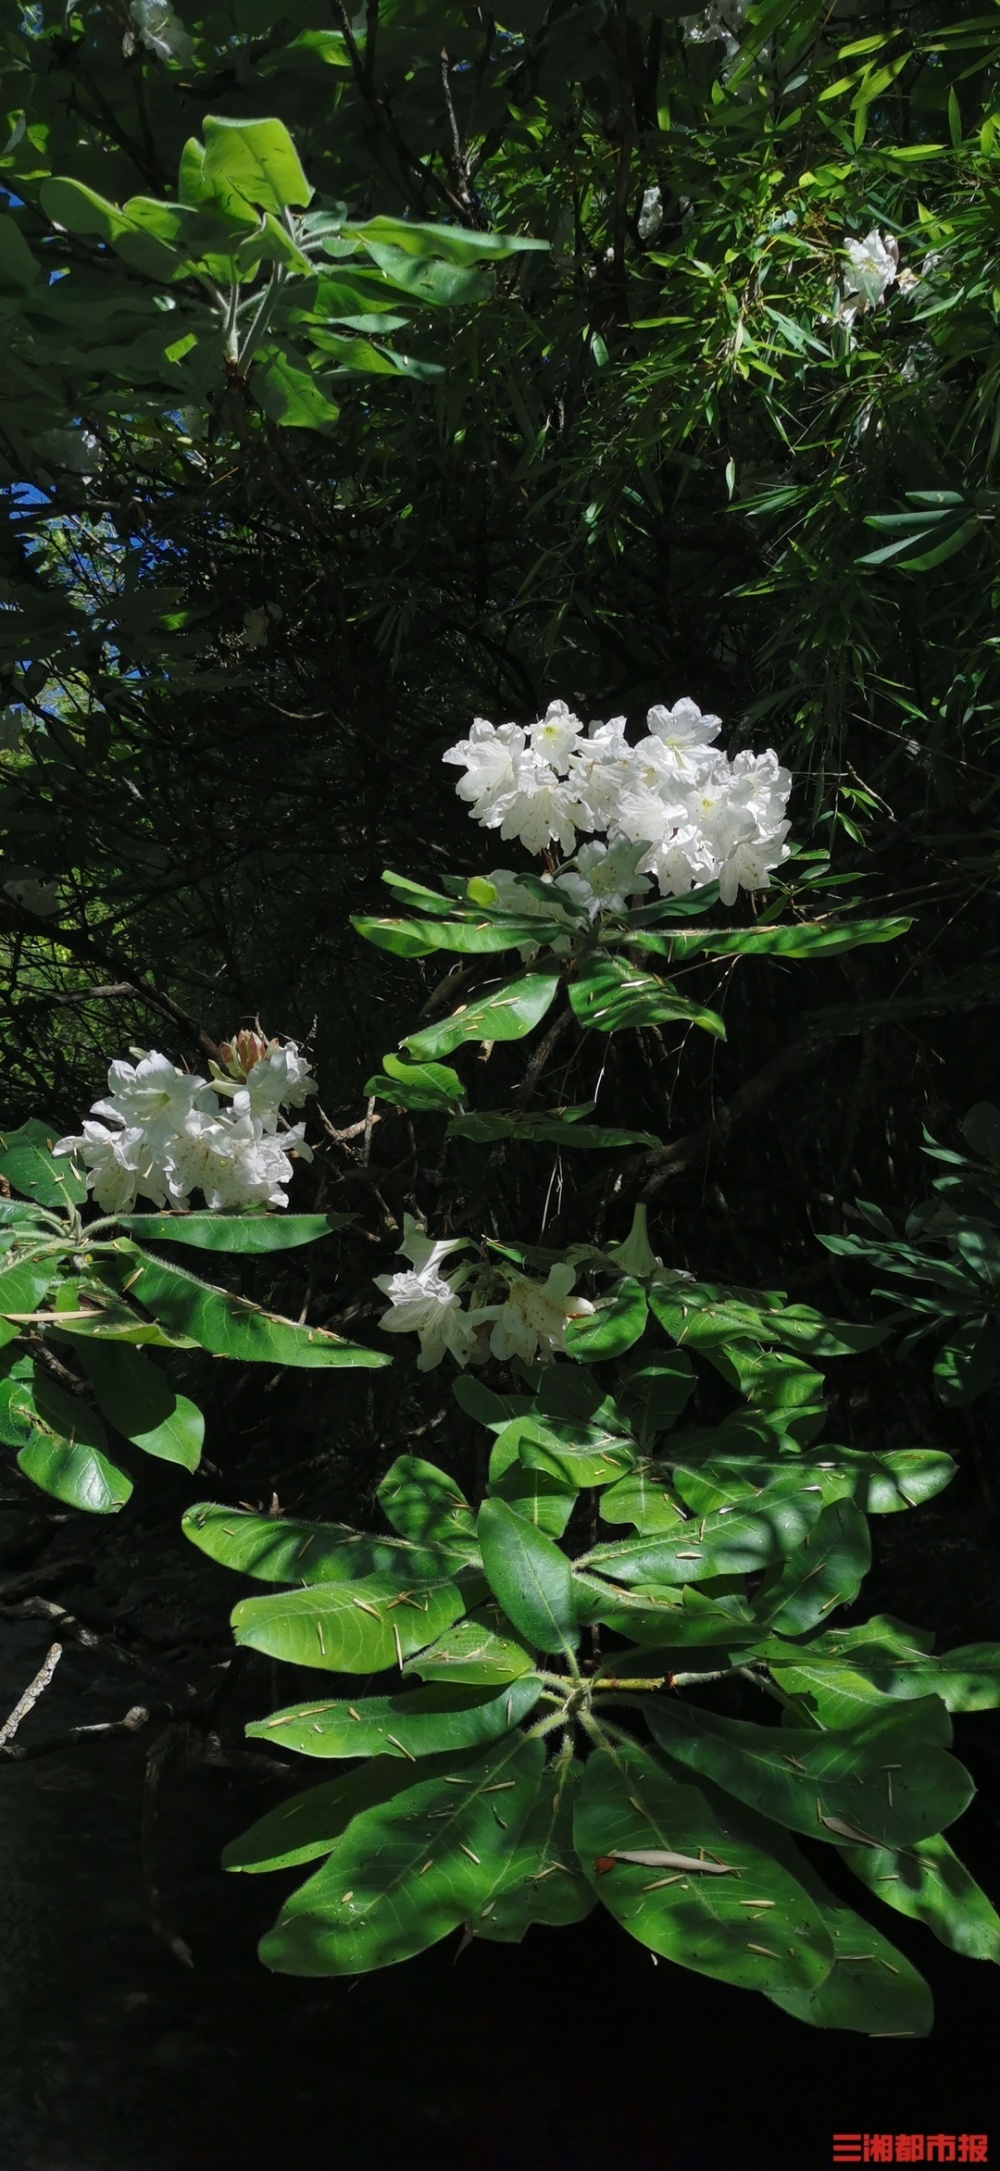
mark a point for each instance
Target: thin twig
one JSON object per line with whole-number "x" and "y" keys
{"x": 34, "y": 1690}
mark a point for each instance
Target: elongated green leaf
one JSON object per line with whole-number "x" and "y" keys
{"x": 610, "y": 995}
{"x": 544, "y": 1495}
{"x": 469, "y": 938}
{"x": 826, "y": 1571}
{"x": 230, "y": 1326}
{"x": 410, "y": 1869}
{"x": 424, "y": 1504}
{"x": 842, "y": 1676}
{"x": 886, "y": 1484}
{"x": 720, "y": 1544}
{"x": 802, "y": 940}
{"x": 486, "y": 1129}
{"x": 309, "y": 1824}
{"x": 704, "y": 1920}
{"x": 574, "y": 1456}
{"x": 234, "y": 1232}
{"x": 136, "y": 1398}
{"x": 507, "y": 1013}
{"x": 644, "y": 1498}
{"x": 414, "y": 1723}
{"x": 64, "y": 1448}
{"x": 487, "y": 1408}
{"x": 613, "y": 1328}
{"x": 543, "y": 1881}
{"x": 927, "y": 1881}
{"x": 278, "y": 1549}
{"x": 871, "y": 1988}
{"x": 27, "y": 1162}
{"x": 357, "y": 1627}
{"x": 455, "y": 244}
{"x": 255, "y": 161}
{"x": 417, "y": 1085}
{"x": 888, "y": 1779}
{"x": 530, "y": 1576}
{"x": 483, "y": 1650}
{"x": 655, "y": 1615}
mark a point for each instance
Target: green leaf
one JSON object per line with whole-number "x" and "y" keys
{"x": 654, "y": 1395}
{"x": 889, "y": 1778}
{"x": 254, "y": 161}
{"x": 277, "y": 1549}
{"x": 802, "y": 940}
{"x": 413, "y": 1723}
{"x": 609, "y": 995}
{"x": 455, "y": 244}
{"x": 698, "y": 1918}
{"x": 982, "y": 1131}
{"x": 720, "y": 1544}
{"x": 22, "y": 1288}
{"x": 309, "y": 1824}
{"x": 80, "y": 209}
{"x": 409, "y": 1870}
{"x": 18, "y": 268}
{"x": 827, "y": 1570}
{"x": 928, "y": 1882}
{"x": 64, "y": 1454}
{"x": 486, "y": 1128}
{"x": 357, "y": 1627}
{"x": 543, "y": 1881}
{"x": 614, "y": 1327}
{"x": 643, "y": 1498}
{"x": 650, "y": 1614}
{"x": 508, "y": 1013}
{"x": 288, "y": 392}
{"x": 967, "y": 1364}
{"x": 27, "y": 1162}
{"x": 417, "y": 1085}
{"x": 495, "y": 1411}
{"x": 531, "y": 1578}
{"x": 470, "y": 938}
{"x": 871, "y": 1988}
{"x": 228, "y": 1325}
{"x": 483, "y": 1650}
{"x": 887, "y": 1484}
{"x": 141, "y": 1404}
{"x": 424, "y": 1504}
{"x": 234, "y": 1232}
{"x": 843, "y": 1675}
{"x": 574, "y": 1456}
{"x": 542, "y": 1494}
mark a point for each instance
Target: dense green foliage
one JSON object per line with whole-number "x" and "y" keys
{"x": 362, "y": 373}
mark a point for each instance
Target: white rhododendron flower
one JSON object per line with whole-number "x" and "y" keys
{"x": 154, "y": 1096}
{"x": 167, "y": 1133}
{"x": 120, "y": 1167}
{"x": 871, "y": 268}
{"x": 674, "y": 806}
{"x": 424, "y": 1302}
{"x": 533, "y": 1318}
{"x": 530, "y": 1321}
{"x": 650, "y": 217}
{"x": 160, "y": 30}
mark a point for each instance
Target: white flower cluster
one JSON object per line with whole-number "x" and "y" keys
{"x": 872, "y": 267}
{"x": 674, "y": 806}
{"x": 160, "y": 30}
{"x": 530, "y": 1322}
{"x": 166, "y": 1133}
